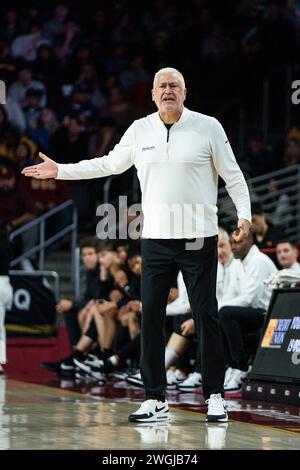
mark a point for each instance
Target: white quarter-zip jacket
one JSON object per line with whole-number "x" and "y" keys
{"x": 178, "y": 173}
{"x": 225, "y": 273}
{"x": 247, "y": 286}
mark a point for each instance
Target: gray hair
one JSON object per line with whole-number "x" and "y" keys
{"x": 224, "y": 234}
{"x": 169, "y": 70}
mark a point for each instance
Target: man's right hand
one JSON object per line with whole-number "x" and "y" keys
{"x": 46, "y": 170}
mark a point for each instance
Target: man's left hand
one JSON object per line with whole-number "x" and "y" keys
{"x": 242, "y": 231}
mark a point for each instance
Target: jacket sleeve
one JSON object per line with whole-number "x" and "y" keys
{"x": 116, "y": 162}
{"x": 227, "y": 167}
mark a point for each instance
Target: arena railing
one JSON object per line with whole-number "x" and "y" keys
{"x": 40, "y": 225}
{"x": 279, "y": 194}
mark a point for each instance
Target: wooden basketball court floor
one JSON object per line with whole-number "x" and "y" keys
{"x": 47, "y": 413}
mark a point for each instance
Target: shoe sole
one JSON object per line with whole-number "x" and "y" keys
{"x": 132, "y": 382}
{"x": 82, "y": 366}
{"x": 230, "y": 390}
{"x": 153, "y": 419}
{"x": 215, "y": 419}
{"x": 191, "y": 389}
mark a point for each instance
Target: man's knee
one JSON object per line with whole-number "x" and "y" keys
{"x": 225, "y": 314}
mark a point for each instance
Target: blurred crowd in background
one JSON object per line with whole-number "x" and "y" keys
{"x": 77, "y": 77}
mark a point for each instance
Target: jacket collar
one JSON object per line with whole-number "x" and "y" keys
{"x": 252, "y": 252}
{"x": 184, "y": 116}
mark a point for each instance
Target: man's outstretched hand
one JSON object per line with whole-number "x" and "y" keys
{"x": 42, "y": 171}
{"x": 242, "y": 231}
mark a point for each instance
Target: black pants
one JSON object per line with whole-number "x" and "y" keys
{"x": 160, "y": 259}
{"x": 235, "y": 322}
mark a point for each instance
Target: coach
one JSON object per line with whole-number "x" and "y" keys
{"x": 178, "y": 154}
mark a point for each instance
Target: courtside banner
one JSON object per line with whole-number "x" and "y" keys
{"x": 33, "y": 311}
{"x": 278, "y": 356}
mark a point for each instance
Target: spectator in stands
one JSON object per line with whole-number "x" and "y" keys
{"x": 79, "y": 105}
{"x": 125, "y": 331}
{"x": 217, "y": 46}
{"x": 53, "y": 29}
{"x": 68, "y": 41}
{"x": 17, "y": 90}
{"x": 266, "y": 235}
{"x": 8, "y": 135}
{"x": 70, "y": 142}
{"x": 135, "y": 80}
{"x": 116, "y": 61}
{"x": 43, "y": 68}
{"x": 88, "y": 77}
{"x": 23, "y": 155}
{"x": 6, "y": 291}
{"x": 81, "y": 56}
{"x": 243, "y": 307}
{"x": 258, "y": 158}
{"x": 119, "y": 109}
{"x": 16, "y": 208}
{"x": 25, "y": 46}
{"x": 15, "y": 115}
{"x": 46, "y": 126}
{"x": 32, "y": 107}
{"x": 48, "y": 196}
{"x": 292, "y": 152}
{"x": 11, "y": 27}
{"x": 102, "y": 141}
{"x": 287, "y": 255}
{"x": 71, "y": 309}
{"x": 102, "y": 285}
{"x": 226, "y": 264}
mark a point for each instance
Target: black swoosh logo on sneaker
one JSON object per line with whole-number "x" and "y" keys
{"x": 159, "y": 409}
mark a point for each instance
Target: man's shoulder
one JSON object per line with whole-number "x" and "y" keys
{"x": 261, "y": 259}
{"x": 149, "y": 118}
{"x": 200, "y": 116}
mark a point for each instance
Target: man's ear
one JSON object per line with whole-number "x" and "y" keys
{"x": 185, "y": 90}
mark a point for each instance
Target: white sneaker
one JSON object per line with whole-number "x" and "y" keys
{"x": 235, "y": 380}
{"x": 227, "y": 377}
{"x": 216, "y": 409}
{"x": 151, "y": 411}
{"x": 193, "y": 382}
{"x": 174, "y": 377}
